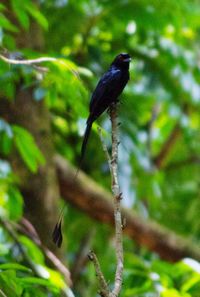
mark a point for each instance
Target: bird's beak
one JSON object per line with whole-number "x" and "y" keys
{"x": 127, "y": 60}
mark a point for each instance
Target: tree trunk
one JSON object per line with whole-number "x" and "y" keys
{"x": 40, "y": 190}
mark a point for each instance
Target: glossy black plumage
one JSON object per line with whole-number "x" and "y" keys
{"x": 107, "y": 91}
{"x": 57, "y": 234}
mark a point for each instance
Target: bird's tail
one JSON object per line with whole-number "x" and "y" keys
{"x": 84, "y": 143}
{"x": 85, "y": 139}
{"x": 57, "y": 232}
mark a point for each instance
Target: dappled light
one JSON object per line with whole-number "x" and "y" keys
{"x": 130, "y": 198}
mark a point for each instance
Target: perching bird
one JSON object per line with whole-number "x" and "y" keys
{"x": 107, "y": 92}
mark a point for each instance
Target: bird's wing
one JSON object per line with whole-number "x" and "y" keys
{"x": 105, "y": 86}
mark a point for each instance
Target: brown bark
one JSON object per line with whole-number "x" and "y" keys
{"x": 40, "y": 190}
{"x": 89, "y": 197}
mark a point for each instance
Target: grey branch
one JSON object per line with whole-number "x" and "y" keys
{"x": 37, "y": 61}
{"x": 27, "y": 62}
{"x": 2, "y": 293}
{"x": 113, "y": 164}
{"x": 104, "y": 290}
{"x": 117, "y": 209}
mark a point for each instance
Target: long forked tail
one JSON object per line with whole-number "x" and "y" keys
{"x": 84, "y": 143}
{"x": 57, "y": 232}
{"x": 85, "y": 139}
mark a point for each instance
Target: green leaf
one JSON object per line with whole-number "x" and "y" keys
{"x": 14, "y": 266}
{"x": 22, "y": 16}
{"x": 142, "y": 288}
{"x": 192, "y": 284}
{"x": 5, "y": 136}
{"x": 37, "y": 15}
{"x": 66, "y": 65}
{"x": 173, "y": 293}
{"x": 33, "y": 251}
{"x": 6, "y": 143}
{"x": 35, "y": 281}
{"x": 9, "y": 284}
{"x": 15, "y": 204}
{"x": 6, "y": 24}
{"x": 2, "y": 7}
{"x": 27, "y": 148}
{"x": 56, "y": 279}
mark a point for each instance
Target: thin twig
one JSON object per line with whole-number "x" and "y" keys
{"x": 28, "y": 229}
{"x": 104, "y": 290}
{"x": 27, "y": 62}
{"x": 117, "y": 209}
{"x": 14, "y": 236}
{"x": 11, "y": 231}
{"x": 37, "y": 61}
{"x": 2, "y": 293}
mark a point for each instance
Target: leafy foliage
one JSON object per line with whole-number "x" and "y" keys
{"x": 23, "y": 141}
{"x": 160, "y": 145}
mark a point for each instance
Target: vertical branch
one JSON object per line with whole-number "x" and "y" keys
{"x": 113, "y": 164}
{"x": 117, "y": 198}
{"x": 104, "y": 290}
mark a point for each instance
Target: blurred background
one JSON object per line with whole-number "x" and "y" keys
{"x": 43, "y": 111}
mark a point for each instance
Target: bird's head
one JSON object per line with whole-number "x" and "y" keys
{"x": 122, "y": 60}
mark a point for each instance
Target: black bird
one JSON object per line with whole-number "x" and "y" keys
{"x": 107, "y": 91}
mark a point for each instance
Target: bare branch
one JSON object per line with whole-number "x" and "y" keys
{"x": 2, "y": 293}
{"x": 28, "y": 229}
{"x": 104, "y": 291}
{"x": 57, "y": 263}
{"x": 113, "y": 164}
{"x": 37, "y": 61}
{"x": 117, "y": 209}
{"x": 7, "y": 226}
{"x": 27, "y": 62}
